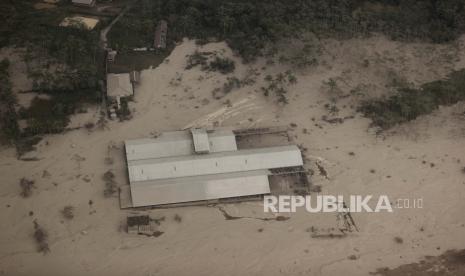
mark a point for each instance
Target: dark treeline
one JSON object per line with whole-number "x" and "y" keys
{"x": 249, "y": 25}
{"x": 8, "y": 118}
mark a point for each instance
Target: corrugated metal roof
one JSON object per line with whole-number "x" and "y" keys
{"x": 119, "y": 85}
{"x": 200, "y": 139}
{"x": 196, "y": 188}
{"x": 84, "y": 2}
{"x": 177, "y": 143}
{"x": 214, "y": 163}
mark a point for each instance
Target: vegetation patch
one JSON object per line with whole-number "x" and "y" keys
{"x": 68, "y": 212}
{"x": 250, "y": 26}
{"x": 9, "y": 129}
{"x": 209, "y": 61}
{"x": 41, "y": 238}
{"x": 110, "y": 184}
{"x": 65, "y": 63}
{"x": 278, "y": 85}
{"x": 26, "y": 187}
{"x": 409, "y": 103}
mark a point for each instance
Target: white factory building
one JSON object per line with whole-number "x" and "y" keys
{"x": 198, "y": 164}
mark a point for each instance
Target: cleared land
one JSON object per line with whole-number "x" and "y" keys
{"x": 422, "y": 158}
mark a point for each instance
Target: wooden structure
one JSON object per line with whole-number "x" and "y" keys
{"x": 84, "y": 3}
{"x": 160, "y": 35}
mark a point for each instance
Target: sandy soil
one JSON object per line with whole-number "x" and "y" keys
{"x": 422, "y": 159}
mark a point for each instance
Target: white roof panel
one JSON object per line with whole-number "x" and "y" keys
{"x": 84, "y": 2}
{"x": 214, "y": 163}
{"x": 177, "y": 143}
{"x": 199, "y": 188}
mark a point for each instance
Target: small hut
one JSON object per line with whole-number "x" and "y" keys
{"x": 160, "y": 35}
{"x": 84, "y": 3}
{"x": 135, "y": 77}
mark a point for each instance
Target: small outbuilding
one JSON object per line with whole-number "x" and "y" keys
{"x": 84, "y": 3}
{"x": 135, "y": 77}
{"x": 119, "y": 86}
{"x": 111, "y": 55}
{"x": 160, "y": 35}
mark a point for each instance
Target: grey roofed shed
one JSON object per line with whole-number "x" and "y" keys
{"x": 89, "y": 3}
{"x": 119, "y": 85}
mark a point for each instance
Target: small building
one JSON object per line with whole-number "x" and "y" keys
{"x": 160, "y": 35}
{"x": 111, "y": 55}
{"x": 88, "y": 23}
{"x": 141, "y": 225}
{"x": 84, "y": 3}
{"x": 135, "y": 77}
{"x": 119, "y": 86}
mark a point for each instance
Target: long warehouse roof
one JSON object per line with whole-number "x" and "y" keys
{"x": 185, "y": 166}
{"x": 215, "y": 163}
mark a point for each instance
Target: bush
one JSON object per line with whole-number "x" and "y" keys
{"x": 68, "y": 212}
{"x": 223, "y": 65}
{"x": 110, "y": 184}
{"x": 26, "y": 187}
{"x": 41, "y": 238}
{"x": 177, "y": 218}
{"x": 231, "y": 84}
{"x": 197, "y": 58}
{"x": 279, "y": 84}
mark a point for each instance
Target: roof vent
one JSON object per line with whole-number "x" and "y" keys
{"x": 201, "y": 142}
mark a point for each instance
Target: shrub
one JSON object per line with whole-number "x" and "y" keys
{"x": 26, "y": 187}
{"x": 68, "y": 212}
{"x": 41, "y": 238}
{"x": 110, "y": 184}
{"x": 231, "y": 84}
{"x": 197, "y": 58}
{"x": 223, "y": 65}
{"x": 279, "y": 84}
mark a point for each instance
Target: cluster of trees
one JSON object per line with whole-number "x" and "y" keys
{"x": 209, "y": 61}
{"x": 48, "y": 44}
{"x": 248, "y": 26}
{"x": 409, "y": 103}
{"x": 63, "y": 62}
{"x": 9, "y": 129}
